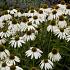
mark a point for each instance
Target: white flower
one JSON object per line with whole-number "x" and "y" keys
{"x": 54, "y": 55}
{"x": 30, "y": 27}
{"x": 32, "y": 12}
{"x": 13, "y": 11}
{"x": 29, "y": 36}
{"x": 12, "y": 67}
{"x": 18, "y": 14}
{"x": 15, "y": 68}
{"x": 2, "y": 41}
{"x": 47, "y": 10}
{"x": 25, "y": 14}
{"x": 7, "y": 17}
{"x": 62, "y": 7}
{"x": 14, "y": 26}
{"x": 34, "y": 53}
{"x": 5, "y": 33}
{"x": 16, "y": 41}
{"x": 52, "y": 26}
{"x": 51, "y": 17}
{"x": 54, "y": 14}
{"x": 41, "y": 16}
{"x": 23, "y": 26}
{"x": 62, "y": 24}
{"x": 4, "y": 67}
{"x": 12, "y": 60}
{"x": 62, "y": 33}
{"x": 46, "y": 64}
{"x": 67, "y": 12}
{"x": 4, "y": 53}
{"x": 35, "y": 21}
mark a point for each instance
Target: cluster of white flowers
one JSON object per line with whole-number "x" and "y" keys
{"x": 14, "y": 23}
{"x": 20, "y": 28}
{"x": 7, "y": 60}
{"x": 27, "y": 23}
{"x": 59, "y": 21}
{"x": 53, "y": 56}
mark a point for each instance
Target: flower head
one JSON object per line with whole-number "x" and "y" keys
{"x": 16, "y": 41}
{"x": 40, "y": 12}
{"x": 4, "y": 53}
{"x": 54, "y": 55}
{"x": 68, "y": 6}
{"x": 12, "y": 60}
{"x": 63, "y": 2}
{"x": 54, "y": 11}
{"x": 34, "y": 53}
{"x": 46, "y": 64}
{"x": 61, "y": 18}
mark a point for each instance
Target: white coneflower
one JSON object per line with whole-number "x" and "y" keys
{"x": 7, "y": 17}
{"x": 62, "y": 33}
{"x": 16, "y": 41}
{"x": 32, "y": 12}
{"x": 54, "y": 55}
{"x": 46, "y": 64}
{"x": 35, "y": 21}
{"x": 30, "y": 26}
{"x": 14, "y": 26}
{"x": 23, "y": 24}
{"x": 26, "y": 14}
{"x": 54, "y": 14}
{"x": 4, "y": 53}
{"x": 52, "y": 26}
{"x": 2, "y": 41}
{"x": 12, "y": 60}
{"x": 18, "y": 14}
{"x": 41, "y": 16}
{"x": 12, "y": 12}
{"x": 45, "y": 9}
{"x": 4, "y": 67}
{"x": 34, "y": 53}
{"x": 62, "y": 6}
{"x": 62, "y": 23}
{"x": 13, "y": 67}
{"x": 67, "y": 12}
{"x": 5, "y": 33}
{"x": 29, "y": 35}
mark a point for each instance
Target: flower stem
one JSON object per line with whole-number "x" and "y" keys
{"x": 33, "y": 62}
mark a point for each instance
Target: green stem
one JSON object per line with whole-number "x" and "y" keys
{"x": 33, "y": 62}
{"x": 49, "y": 41}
